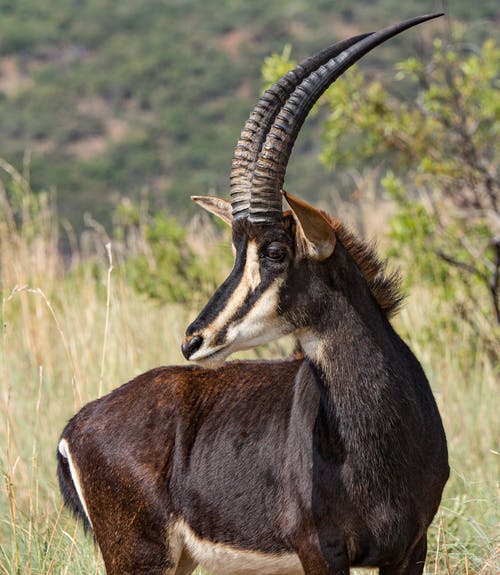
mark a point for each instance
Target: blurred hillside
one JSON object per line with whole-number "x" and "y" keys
{"x": 105, "y": 99}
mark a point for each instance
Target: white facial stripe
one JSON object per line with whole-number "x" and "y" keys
{"x": 64, "y": 451}
{"x": 252, "y": 268}
{"x": 227, "y": 559}
{"x": 249, "y": 281}
{"x": 261, "y": 323}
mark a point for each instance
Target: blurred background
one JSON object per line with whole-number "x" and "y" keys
{"x": 108, "y": 99}
{"x": 113, "y": 113}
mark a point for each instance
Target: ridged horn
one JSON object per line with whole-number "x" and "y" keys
{"x": 254, "y": 132}
{"x": 269, "y": 173}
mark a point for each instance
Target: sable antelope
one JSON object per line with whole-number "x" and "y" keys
{"x": 307, "y": 466}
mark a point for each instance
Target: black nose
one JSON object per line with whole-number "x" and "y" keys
{"x": 190, "y": 345}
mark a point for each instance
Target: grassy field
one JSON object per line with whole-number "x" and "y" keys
{"x": 74, "y": 330}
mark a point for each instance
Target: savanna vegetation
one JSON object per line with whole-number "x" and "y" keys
{"x": 115, "y": 301}
{"x": 103, "y": 99}
{"x": 73, "y": 330}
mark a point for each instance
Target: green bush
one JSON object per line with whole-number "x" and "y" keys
{"x": 441, "y": 157}
{"x": 162, "y": 264}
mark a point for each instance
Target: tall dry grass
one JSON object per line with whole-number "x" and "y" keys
{"x": 63, "y": 342}
{"x": 70, "y": 333}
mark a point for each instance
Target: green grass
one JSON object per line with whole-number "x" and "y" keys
{"x": 62, "y": 344}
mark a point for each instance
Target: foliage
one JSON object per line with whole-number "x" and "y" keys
{"x": 276, "y": 66}
{"x": 441, "y": 157}
{"x": 29, "y": 228}
{"x": 110, "y": 98}
{"x": 159, "y": 260}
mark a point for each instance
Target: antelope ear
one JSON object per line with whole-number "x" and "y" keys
{"x": 316, "y": 233}
{"x": 216, "y": 206}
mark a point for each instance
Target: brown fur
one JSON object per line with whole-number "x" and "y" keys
{"x": 386, "y": 288}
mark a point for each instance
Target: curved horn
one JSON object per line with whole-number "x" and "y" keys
{"x": 269, "y": 173}
{"x": 260, "y": 121}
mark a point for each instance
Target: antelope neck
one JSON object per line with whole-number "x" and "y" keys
{"x": 353, "y": 341}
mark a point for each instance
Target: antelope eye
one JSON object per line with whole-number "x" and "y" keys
{"x": 275, "y": 252}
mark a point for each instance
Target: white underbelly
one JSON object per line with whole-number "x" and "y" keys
{"x": 220, "y": 559}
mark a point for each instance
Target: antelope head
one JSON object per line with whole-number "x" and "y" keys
{"x": 282, "y": 258}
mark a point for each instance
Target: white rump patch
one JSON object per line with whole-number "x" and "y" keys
{"x": 223, "y": 559}
{"x": 64, "y": 451}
